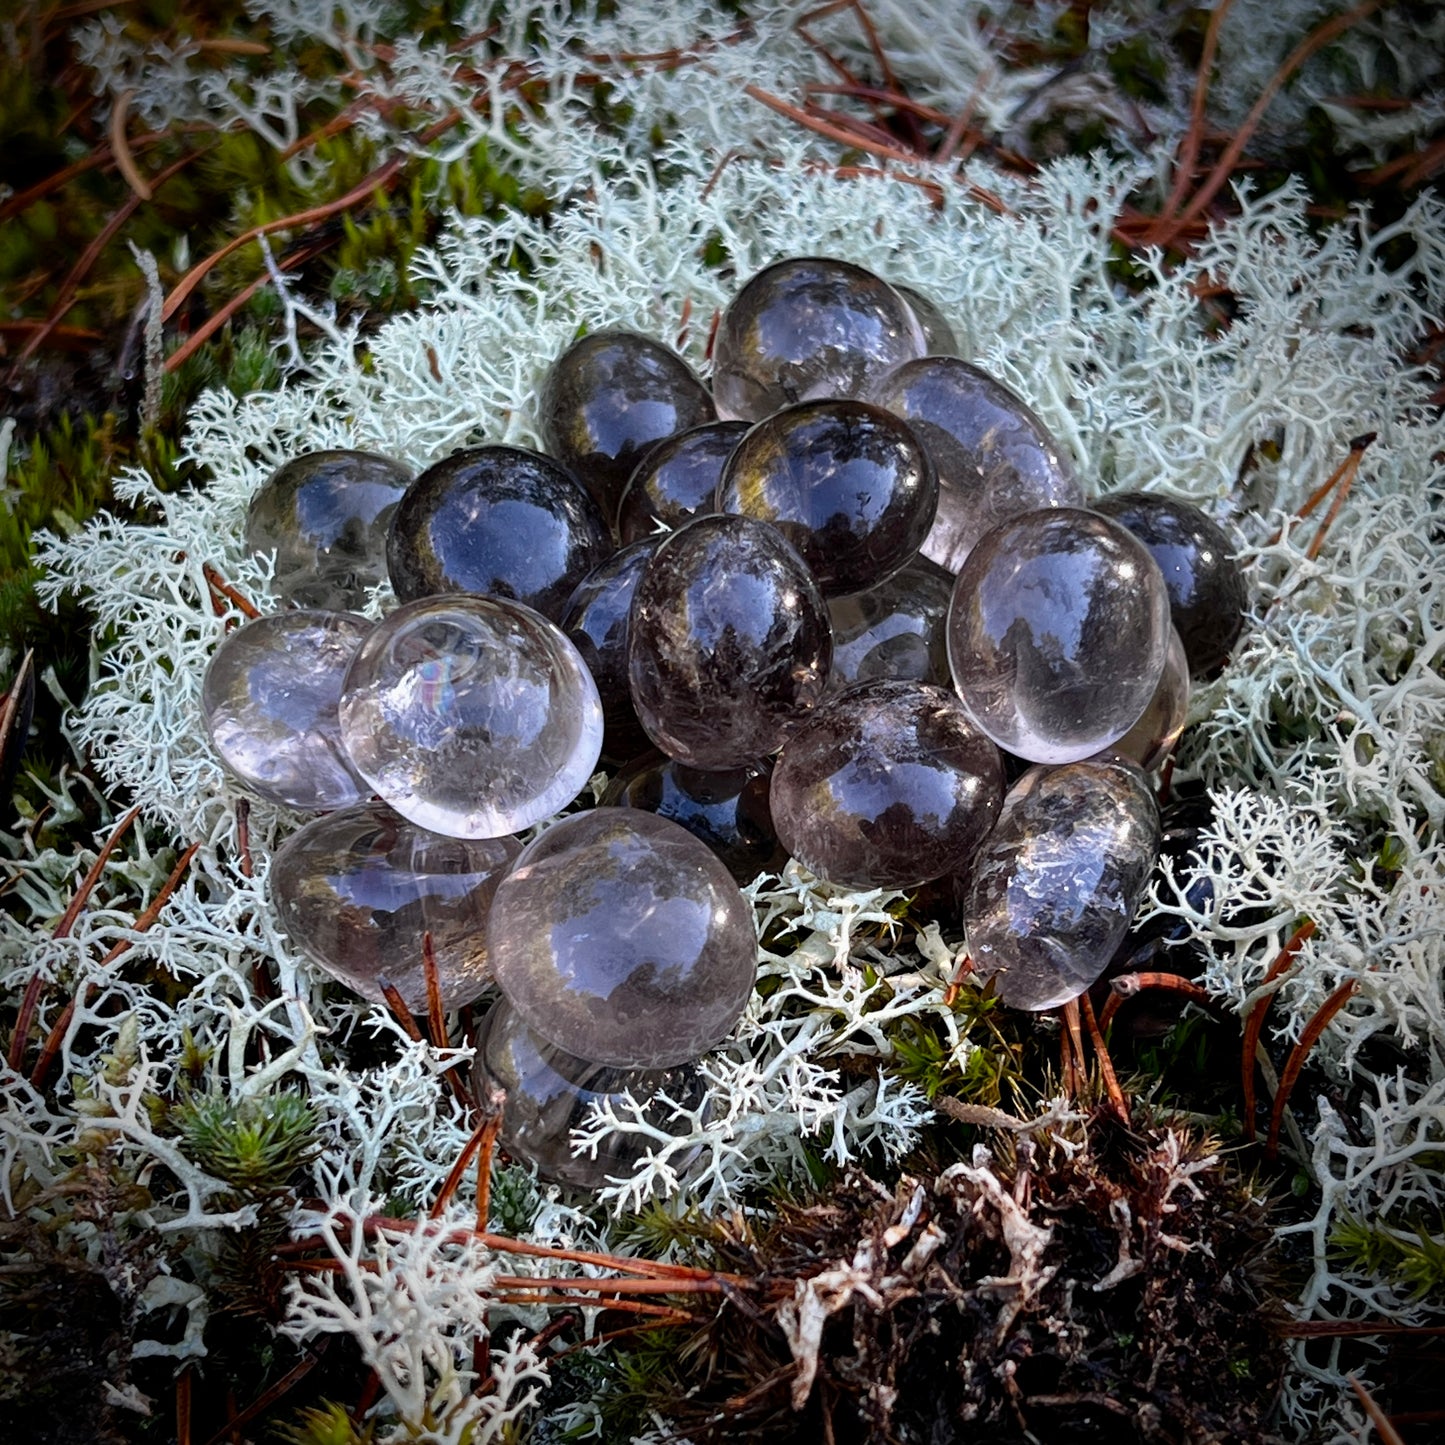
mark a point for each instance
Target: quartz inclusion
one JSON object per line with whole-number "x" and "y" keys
{"x": 549, "y": 1093}
{"x": 472, "y": 716}
{"x": 357, "y": 890}
{"x": 1057, "y": 634}
{"x": 269, "y": 701}
{"x": 619, "y": 937}
{"x": 1053, "y": 890}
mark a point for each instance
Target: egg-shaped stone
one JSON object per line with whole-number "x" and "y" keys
{"x": 549, "y": 1094}
{"x": 1054, "y": 888}
{"x": 995, "y": 459}
{"x": 1151, "y": 740}
{"x": 269, "y": 701}
{"x": 895, "y": 629}
{"x": 607, "y": 399}
{"x": 358, "y": 890}
{"x": 1207, "y": 593}
{"x": 621, "y": 938}
{"x": 939, "y": 337}
{"x": 728, "y": 645}
{"x": 805, "y": 329}
{"x": 846, "y": 483}
{"x": 325, "y": 515}
{"x": 676, "y": 480}
{"x": 472, "y": 716}
{"x": 727, "y": 810}
{"x": 596, "y": 623}
{"x": 1057, "y": 633}
{"x": 889, "y": 785}
{"x": 497, "y": 520}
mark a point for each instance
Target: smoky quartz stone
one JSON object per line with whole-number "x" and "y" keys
{"x": 807, "y": 329}
{"x": 270, "y": 699}
{"x": 1054, "y": 888}
{"x": 325, "y": 515}
{"x": 1207, "y": 593}
{"x": 619, "y": 937}
{"x": 676, "y": 480}
{"x": 729, "y": 644}
{"x": 500, "y": 521}
{"x": 896, "y": 629}
{"x": 939, "y": 338}
{"x": 358, "y": 890}
{"x": 995, "y": 459}
{"x": 607, "y": 399}
{"x": 889, "y": 785}
{"x": 549, "y": 1093}
{"x": 727, "y": 810}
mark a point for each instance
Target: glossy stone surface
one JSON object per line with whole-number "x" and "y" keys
{"x": 727, "y": 810}
{"x": 1056, "y": 885}
{"x": 472, "y": 716}
{"x": 502, "y": 521}
{"x": 550, "y": 1093}
{"x": 888, "y": 786}
{"x": 846, "y": 483}
{"x": 896, "y": 629}
{"x": 607, "y": 399}
{"x": 1057, "y": 634}
{"x": 939, "y": 338}
{"x": 1207, "y": 593}
{"x": 995, "y": 459}
{"x": 1150, "y": 741}
{"x": 729, "y": 644}
{"x": 619, "y": 937}
{"x": 596, "y": 623}
{"x": 805, "y": 329}
{"x": 357, "y": 890}
{"x": 325, "y": 515}
{"x": 269, "y": 702}
{"x": 676, "y": 480}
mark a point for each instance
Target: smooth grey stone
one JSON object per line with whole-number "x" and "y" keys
{"x": 676, "y": 480}
{"x": 897, "y": 629}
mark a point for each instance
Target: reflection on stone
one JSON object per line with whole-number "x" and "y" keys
{"x": 619, "y": 937}
{"x": 676, "y": 480}
{"x": 357, "y": 890}
{"x": 896, "y": 629}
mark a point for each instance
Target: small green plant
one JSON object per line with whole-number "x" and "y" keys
{"x": 255, "y": 1145}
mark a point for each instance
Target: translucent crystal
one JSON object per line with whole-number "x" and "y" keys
{"x": 728, "y": 810}
{"x": 1150, "y": 741}
{"x": 1054, "y": 888}
{"x": 325, "y": 515}
{"x": 550, "y": 1093}
{"x": 1057, "y": 634}
{"x": 846, "y": 483}
{"x": 1207, "y": 594}
{"x": 676, "y": 479}
{"x": 472, "y": 716}
{"x": 896, "y": 629}
{"x": 596, "y": 623}
{"x": 357, "y": 890}
{"x": 269, "y": 702}
{"x": 938, "y": 336}
{"x": 887, "y": 786}
{"x": 995, "y": 459}
{"x": 502, "y": 521}
{"x": 619, "y": 937}
{"x": 729, "y": 644}
{"x": 608, "y": 398}
{"x": 805, "y": 329}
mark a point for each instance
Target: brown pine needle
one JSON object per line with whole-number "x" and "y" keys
{"x": 269, "y": 1397}
{"x": 1071, "y": 1041}
{"x": 1348, "y": 474}
{"x": 1129, "y": 984}
{"x": 1106, "y": 1064}
{"x": 1388, "y": 1434}
{"x": 1254, "y": 1024}
{"x": 124, "y": 160}
{"x": 399, "y": 1011}
{"x": 1297, "y": 1056}
{"x": 454, "y": 1178}
{"x": 436, "y": 1021}
{"x": 183, "y": 1407}
{"x": 222, "y": 588}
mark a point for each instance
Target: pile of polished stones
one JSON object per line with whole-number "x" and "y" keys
{"x": 842, "y": 597}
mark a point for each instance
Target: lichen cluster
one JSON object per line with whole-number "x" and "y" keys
{"x": 214, "y": 1101}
